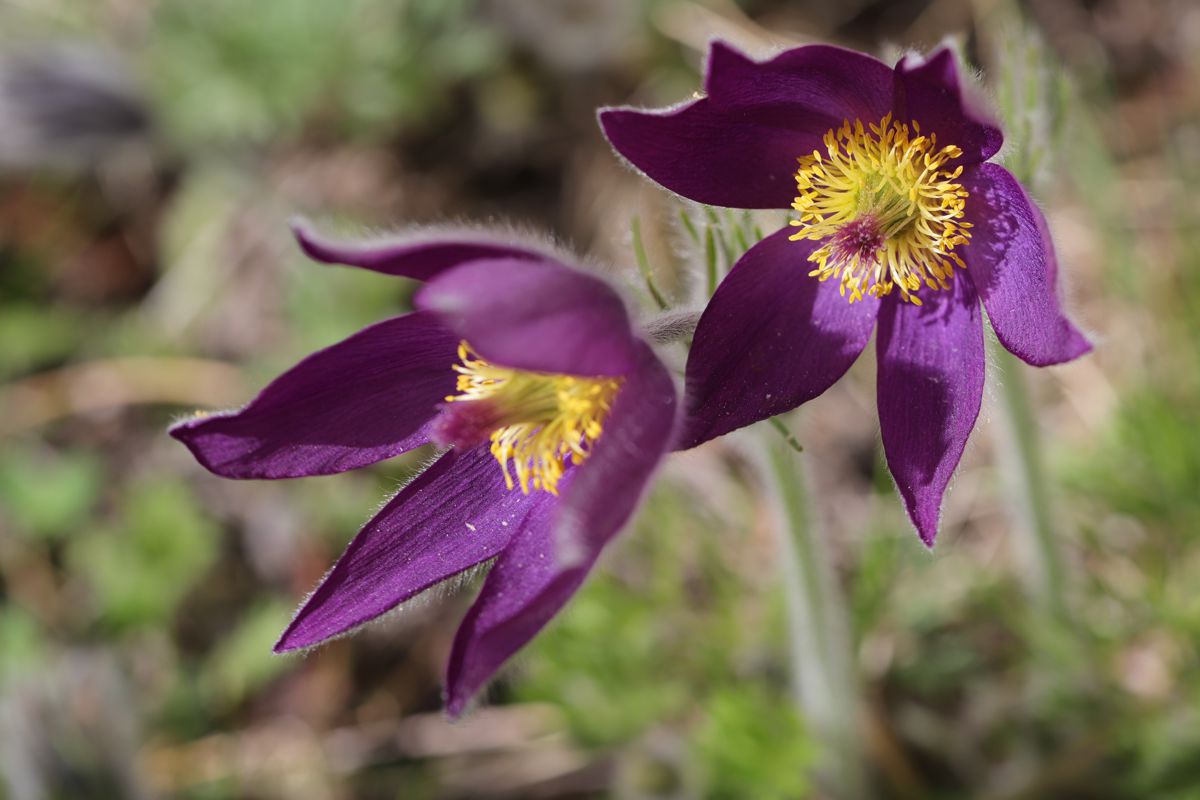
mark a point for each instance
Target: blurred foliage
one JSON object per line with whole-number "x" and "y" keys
{"x": 138, "y": 575}
{"x": 619, "y": 665}
{"x": 49, "y": 494}
{"x": 31, "y": 337}
{"x": 225, "y": 74}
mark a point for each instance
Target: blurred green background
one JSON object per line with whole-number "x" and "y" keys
{"x": 151, "y": 153}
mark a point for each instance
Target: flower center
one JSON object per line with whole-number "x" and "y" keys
{"x": 885, "y": 208}
{"x": 536, "y": 421}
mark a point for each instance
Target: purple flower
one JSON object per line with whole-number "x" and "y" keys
{"x": 886, "y": 172}
{"x": 554, "y": 409}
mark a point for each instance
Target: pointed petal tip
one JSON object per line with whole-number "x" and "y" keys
{"x": 696, "y": 432}
{"x": 550, "y": 557}
{"x": 934, "y": 90}
{"x": 925, "y": 519}
{"x": 1011, "y": 260}
{"x": 929, "y": 391}
{"x": 293, "y": 640}
{"x": 178, "y": 429}
{"x": 305, "y": 423}
{"x": 186, "y": 432}
{"x": 461, "y": 682}
{"x": 309, "y": 241}
{"x": 924, "y": 514}
{"x": 283, "y": 646}
{"x": 1076, "y": 346}
{"x": 606, "y": 114}
{"x": 940, "y": 59}
{"x": 307, "y": 238}
{"x": 454, "y": 703}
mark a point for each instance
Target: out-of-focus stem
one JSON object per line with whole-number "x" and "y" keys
{"x": 824, "y": 674}
{"x": 1022, "y": 464}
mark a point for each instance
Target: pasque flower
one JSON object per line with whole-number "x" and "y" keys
{"x": 899, "y": 220}
{"x": 554, "y": 410}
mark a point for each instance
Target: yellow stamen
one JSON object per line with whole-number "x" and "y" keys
{"x": 886, "y": 208}
{"x": 542, "y": 420}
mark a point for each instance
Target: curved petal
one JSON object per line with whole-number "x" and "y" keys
{"x": 832, "y": 81}
{"x": 931, "y": 368}
{"x": 420, "y": 257}
{"x": 738, "y": 146}
{"x": 523, "y": 590}
{"x": 362, "y": 400}
{"x": 771, "y": 338}
{"x": 535, "y": 315}
{"x": 931, "y": 92}
{"x": 549, "y": 559}
{"x": 639, "y": 431}
{"x": 454, "y": 515}
{"x": 1011, "y": 260}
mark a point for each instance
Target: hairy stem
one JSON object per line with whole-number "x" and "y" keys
{"x": 1022, "y": 463}
{"x": 824, "y": 675}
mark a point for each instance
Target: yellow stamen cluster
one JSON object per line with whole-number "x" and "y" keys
{"x": 888, "y": 211}
{"x": 542, "y": 420}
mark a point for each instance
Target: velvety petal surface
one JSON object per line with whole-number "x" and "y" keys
{"x": 535, "y": 315}
{"x": 454, "y": 515}
{"x": 931, "y": 91}
{"x": 549, "y": 559}
{"x": 930, "y": 386}
{"x": 363, "y": 400}
{"x": 770, "y": 339}
{"x": 738, "y": 146}
{"x": 419, "y": 256}
{"x": 1011, "y": 260}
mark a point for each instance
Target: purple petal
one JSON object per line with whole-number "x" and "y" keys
{"x": 553, "y": 553}
{"x": 535, "y": 315}
{"x": 771, "y": 338}
{"x": 362, "y": 400}
{"x": 931, "y": 92}
{"x": 524, "y": 589}
{"x": 454, "y": 515}
{"x": 640, "y": 429}
{"x": 420, "y": 256}
{"x": 1011, "y": 259}
{"x": 738, "y": 146}
{"x": 838, "y": 83}
{"x": 931, "y": 368}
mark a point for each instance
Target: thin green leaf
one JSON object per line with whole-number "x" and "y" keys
{"x": 710, "y": 259}
{"x": 690, "y": 226}
{"x": 639, "y": 252}
{"x": 792, "y": 441}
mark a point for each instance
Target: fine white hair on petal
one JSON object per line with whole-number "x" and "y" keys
{"x": 493, "y": 232}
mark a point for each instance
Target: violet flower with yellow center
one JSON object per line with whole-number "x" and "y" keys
{"x": 554, "y": 409}
{"x": 899, "y": 220}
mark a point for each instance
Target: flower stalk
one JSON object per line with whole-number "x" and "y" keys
{"x": 1021, "y": 463}
{"x": 1030, "y": 95}
{"x": 824, "y": 674}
